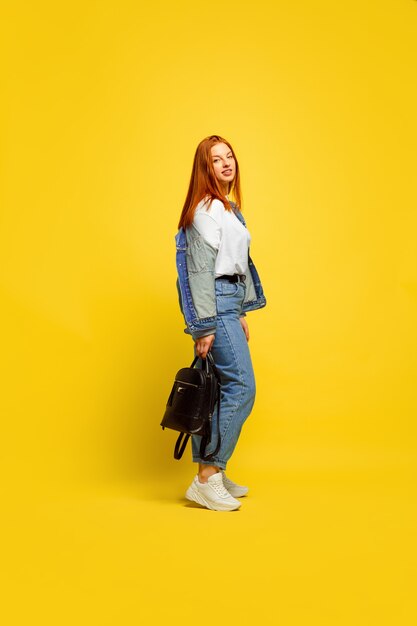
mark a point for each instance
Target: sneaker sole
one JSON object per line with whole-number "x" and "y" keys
{"x": 195, "y": 496}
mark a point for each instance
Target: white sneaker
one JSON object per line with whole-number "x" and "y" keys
{"x": 212, "y": 494}
{"x": 237, "y": 491}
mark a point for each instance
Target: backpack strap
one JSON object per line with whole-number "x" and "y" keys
{"x": 204, "y": 441}
{"x": 179, "y": 450}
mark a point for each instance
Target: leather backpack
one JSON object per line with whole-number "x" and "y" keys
{"x": 191, "y": 404}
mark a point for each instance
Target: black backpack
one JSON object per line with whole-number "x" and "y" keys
{"x": 191, "y": 404}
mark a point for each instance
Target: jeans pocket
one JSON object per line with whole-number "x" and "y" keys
{"x": 230, "y": 289}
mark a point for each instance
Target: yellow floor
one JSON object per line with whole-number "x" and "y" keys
{"x": 318, "y": 548}
{"x": 104, "y": 104}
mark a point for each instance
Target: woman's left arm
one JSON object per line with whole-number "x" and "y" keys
{"x": 245, "y": 327}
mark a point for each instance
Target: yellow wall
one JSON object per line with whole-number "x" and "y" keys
{"x": 103, "y": 106}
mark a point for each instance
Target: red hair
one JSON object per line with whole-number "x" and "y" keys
{"x": 203, "y": 181}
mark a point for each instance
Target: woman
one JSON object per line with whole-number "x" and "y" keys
{"x": 217, "y": 284}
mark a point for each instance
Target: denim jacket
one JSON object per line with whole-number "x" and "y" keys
{"x": 195, "y": 261}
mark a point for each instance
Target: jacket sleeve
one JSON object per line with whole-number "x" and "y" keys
{"x": 203, "y": 333}
{"x": 201, "y": 260}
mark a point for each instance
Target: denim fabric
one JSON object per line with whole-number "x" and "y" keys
{"x": 231, "y": 355}
{"x": 195, "y": 261}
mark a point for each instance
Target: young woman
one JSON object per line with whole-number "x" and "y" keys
{"x": 217, "y": 284}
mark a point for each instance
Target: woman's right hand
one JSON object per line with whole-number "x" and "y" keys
{"x": 203, "y": 345}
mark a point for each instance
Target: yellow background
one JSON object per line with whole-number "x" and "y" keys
{"x": 102, "y": 107}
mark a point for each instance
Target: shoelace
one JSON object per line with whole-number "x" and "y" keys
{"x": 220, "y": 489}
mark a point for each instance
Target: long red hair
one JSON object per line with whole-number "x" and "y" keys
{"x": 203, "y": 181}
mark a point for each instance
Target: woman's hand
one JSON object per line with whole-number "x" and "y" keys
{"x": 245, "y": 327}
{"x": 203, "y": 345}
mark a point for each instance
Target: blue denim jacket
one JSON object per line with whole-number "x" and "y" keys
{"x": 195, "y": 260}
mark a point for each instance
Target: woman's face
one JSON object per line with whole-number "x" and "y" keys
{"x": 223, "y": 164}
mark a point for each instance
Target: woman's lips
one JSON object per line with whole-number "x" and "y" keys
{"x": 227, "y": 171}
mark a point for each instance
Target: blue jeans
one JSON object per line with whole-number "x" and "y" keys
{"x": 231, "y": 355}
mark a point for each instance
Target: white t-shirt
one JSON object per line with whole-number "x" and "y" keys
{"x": 225, "y": 232}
